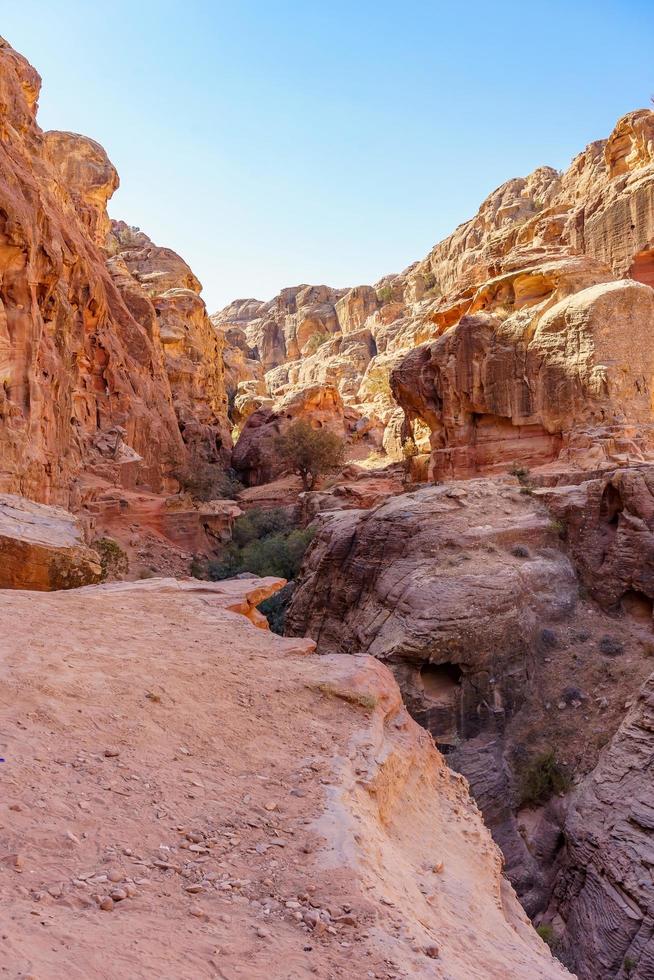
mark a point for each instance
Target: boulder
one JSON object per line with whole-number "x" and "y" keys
{"x": 42, "y": 548}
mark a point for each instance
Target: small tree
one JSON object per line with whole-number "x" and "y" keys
{"x": 310, "y": 452}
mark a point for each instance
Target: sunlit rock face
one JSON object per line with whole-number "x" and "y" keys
{"x": 494, "y": 284}
{"x": 112, "y": 367}
{"x": 575, "y": 380}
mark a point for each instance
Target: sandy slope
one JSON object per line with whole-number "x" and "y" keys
{"x": 269, "y": 813}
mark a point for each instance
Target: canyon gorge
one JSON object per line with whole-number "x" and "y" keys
{"x": 439, "y": 763}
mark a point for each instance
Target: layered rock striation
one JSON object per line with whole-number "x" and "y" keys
{"x": 468, "y": 593}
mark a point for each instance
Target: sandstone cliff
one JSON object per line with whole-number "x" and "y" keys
{"x": 523, "y": 336}
{"x": 109, "y": 366}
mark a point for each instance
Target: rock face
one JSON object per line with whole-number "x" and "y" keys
{"x": 497, "y": 340}
{"x": 355, "y": 840}
{"x": 192, "y": 348}
{"x": 576, "y": 382}
{"x": 98, "y": 359}
{"x": 42, "y": 548}
{"x": 603, "y": 901}
{"x": 530, "y": 259}
{"x": 466, "y": 592}
{"x": 609, "y": 525}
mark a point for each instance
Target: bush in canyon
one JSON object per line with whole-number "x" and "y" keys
{"x": 264, "y": 542}
{"x": 113, "y": 560}
{"x": 310, "y": 452}
{"x": 409, "y": 449}
{"x": 543, "y": 778}
{"x": 207, "y": 481}
{"x": 274, "y": 608}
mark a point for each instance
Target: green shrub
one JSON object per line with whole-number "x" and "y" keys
{"x": 279, "y": 554}
{"x": 543, "y": 778}
{"x": 310, "y": 452}
{"x": 198, "y": 568}
{"x": 208, "y": 481}
{"x": 113, "y": 560}
{"x": 546, "y": 933}
{"x": 385, "y": 294}
{"x": 264, "y": 543}
{"x": 274, "y": 608}
{"x": 409, "y": 449}
{"x": 260, "y": 523}
{"x": 315, "y": 341}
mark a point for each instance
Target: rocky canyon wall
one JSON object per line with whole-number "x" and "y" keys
{"x": 524, "y": 336}
{"x": 109, "y": 364}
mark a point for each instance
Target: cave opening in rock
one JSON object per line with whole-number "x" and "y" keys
{"x": 439, "y": 710}
{"x": 611, "y": 505}
{"x": 440, "y": 682}
{"x": 638, "y": 605}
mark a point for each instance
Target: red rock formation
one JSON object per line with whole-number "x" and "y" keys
{"x": 603, "y": 902}
{"x": 255, "y": 457}
{"x": 534, "y": 242}
{"x": 43, "y": 548}
{"x": 83, "y": 361}
{"x": 466, "y": 592}
{"x": 576, "y": 379}
{"x": 192, "y": 348}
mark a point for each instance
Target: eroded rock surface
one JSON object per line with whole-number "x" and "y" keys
{"x": 465, "y": 590}
{"x": 177, "y": 842}
{"x": 108, "y": 366}
{"x": 509, "y": 340}
{"x": 43, "y": 548}
{"x": 603, "y": 902}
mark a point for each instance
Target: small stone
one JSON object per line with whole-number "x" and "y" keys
{"x": 438, "y": 868}
{"x": 115, "y": 876}
{"x": 118, "y": 894}
{"x": 270, "y": 807}
{"x": 262, "y": 933}
{"x": 111, "y": 753}
{"x": 432, "y": 951}
{"x": 196, "y": 911}
{"x": 193, "y": 889}
{"x": 106, "y": 904}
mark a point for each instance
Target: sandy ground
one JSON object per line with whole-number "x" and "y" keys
{"x": 187, "y": 796}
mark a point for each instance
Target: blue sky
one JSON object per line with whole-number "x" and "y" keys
{"x": 272, "y": 143}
